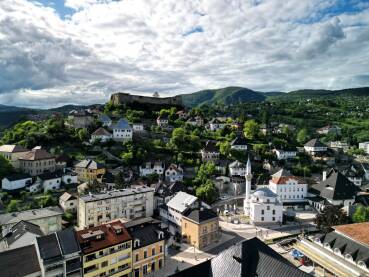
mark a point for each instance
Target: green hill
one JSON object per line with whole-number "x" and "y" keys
{"x": 226, "y": 96}
{"x": 321, "y": 93}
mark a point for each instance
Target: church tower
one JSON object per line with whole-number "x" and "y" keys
{"x": 248, "y": 177}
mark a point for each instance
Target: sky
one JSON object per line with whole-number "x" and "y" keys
{"x": 61, "y": 52}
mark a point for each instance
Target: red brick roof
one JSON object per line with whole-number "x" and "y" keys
{"x": 110, "y": 237}
{"x": 282, "y": 176}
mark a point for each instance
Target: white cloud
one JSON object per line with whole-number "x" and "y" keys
{"x": 142, "y": 46}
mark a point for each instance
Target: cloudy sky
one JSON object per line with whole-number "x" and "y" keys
{"x": 79, "y": 51}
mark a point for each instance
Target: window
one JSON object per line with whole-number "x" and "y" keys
{"x": 160, "y": 249}
{"x": 160, "y": 263}
{"x": 104, "y": 264}
{"x": 114, "y": 261}
{"x": 262, "y": 219}
{"x": 145, "y": 254}
{"x": 273, "y": 218}
{"x": 153, "y": 251}
{"x": 262, "y": 211}
{"x": 268, "y": 207}
{"x": 136, "y": 257}
{"x": 273, "y": 211}
{"x": 144, "y": 269}
{"x": 153, "y": 267}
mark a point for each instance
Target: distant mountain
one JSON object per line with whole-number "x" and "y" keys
{"x": 319, "y": 93}
{"x": 226, "y": 96}
{"x": 4, "y": 108}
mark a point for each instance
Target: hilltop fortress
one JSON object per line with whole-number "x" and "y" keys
{"x": 126, "y": 98}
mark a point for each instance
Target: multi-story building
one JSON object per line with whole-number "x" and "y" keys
{"x": 59, "y": 254}
{"x": 101, "y": 135}
{"x": 37, "y": 161}
{"x": 95, "y": 209}
{"x": 285, "y": 153}
{"x": 288, "y": 187}
{"x": 329, "y": 129}
{"x": 210, "y": 152}
{"x": 314, "y": 147}
{"x": 68, "y": 202}
{"x": 239, "y": 144}
{"x": 80, "y": 119}
{"x": 148, "y": 240}
{"x": 200, "y": 227}
{"x": 49, "y": 219}
{"x": 88, "y": 170}
{"x": 216, "y": 124}
{"x": 106, "y": 250}
{"x": 162, "y": 121}
{"x": 105, "y": 120}
{"x": 12, "y": 153}
{"x": 149, "y": 168}
{"x": 237, "y": 168}
{"x": 122, "y": 131}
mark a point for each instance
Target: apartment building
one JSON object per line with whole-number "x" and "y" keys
{"x": 37, "y": 161}
{"x": 148, "y": 240}
{"x": 94, "y": 209}
{"x": 106, "y": 250}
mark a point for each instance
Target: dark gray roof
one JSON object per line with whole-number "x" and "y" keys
{"x": 17, "y": 176}
{"x": 147, "y": 233}
{"x": 68, "y": 241}
{"x": 240, "y": 140}
{"x": 19, "y": 262}
{"x": 336, "y": 187}
{"x": 50, "y": 175}
{"x": 21, "y": 228}
{"x": 248, "y": 258}
{"x": 315, "y": 143}
{"x": 200, "y": 214}
{"x": 210, "y": 146}
{"x": 49, "y": 247}
{"x": 358, "y": 251}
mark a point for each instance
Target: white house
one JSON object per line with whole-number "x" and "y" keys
{"x": 122, "y": 131}
{"x": 285, "y": 154}
{"x": 210, "y": 152}
{"x": 195, "y": 121}
{"x": 265, "y": 207}
{"x": 364, "y": 146}
{"x": 162, "y": 120}
{"x": 314, "y": 146}
{"x": 239, "y": 144}
{"x": 68, "y": 202}
{"x": 137, "y": 127}
{"x": 50, "y": 180}
{"x": 69, "y": 177}
{"x": 101, "y": 134}
{"x": 237, "y": 168}
{"x": 16, "y": 181}
{"x": 174, "y": 173}
{"x": 105, "y": 120}
{"x": 152, "y": 167}
{"x": 365, "y": 168}
{"x": 329, "y": 129}
{"x": 215, "y": 124}
{"x": 288, "y": 187}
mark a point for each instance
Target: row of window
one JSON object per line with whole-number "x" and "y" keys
{"x": 145, "y": 253}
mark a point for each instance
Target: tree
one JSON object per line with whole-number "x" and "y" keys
{"x": 5, "y": 167}
{"x": 204, "y": 173}
{"x": 12, "y": 206}
{"x": 302, "y": 136}
{"x": 330, "y": 216}
{"x": 119, "y": 181}
{"x": 207, "y": 192}
{"x": 361, "y": 214}
{"x": 82, "y": 134}
{"x": 224, "y": 147}
{"x": 251, "y": 129}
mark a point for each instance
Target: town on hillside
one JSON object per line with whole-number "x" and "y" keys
{"x": 147, "y": 186}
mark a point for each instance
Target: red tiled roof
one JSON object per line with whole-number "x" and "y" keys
{"x": 110, "y": 237}
{"x": 357, "y": 231}
{"x": 36, "y": 154}
{"x": 283, "y": 180}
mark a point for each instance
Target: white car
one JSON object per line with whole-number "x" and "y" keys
{"x": 224, "y": 197}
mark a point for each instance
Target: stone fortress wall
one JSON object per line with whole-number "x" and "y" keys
{"x": 126, "y": 98}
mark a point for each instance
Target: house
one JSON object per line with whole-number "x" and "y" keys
{"x": 265, "y": 207}
{"x": 37, "y": 161}
{"x": 239, "y": 144}
{"x": 21, "y": 234}
{"x": 68, "y": 202}
{"x": 80, "y": 119}
{"x": 289, "y": 188}
{"x": 250, "y": 257}
{"x": 281, "y": 127}
{"x": 59, "y": 254}
{"x": 101, "y": 134}
{"x": 221, "y": 166}
{"x": 148, "y": 249}
{"x": 122, "y": 131}
{"x": 200, "y": 227}
{"x": 344, "y": 250}
{"x": 285, "y": 153}
{"x": 97, "y": 208}
{"x": 354, "y": 174}
{"x": 165, "y": 192}
{"x": 69, "y": 177}
{"x": 162, "y": 121}
{"x": 362, "y": 145}
{"x": 216, "y": 124}
{"x": 339, "y": 146}
{"x": 237, "y": 168}
{"x": 12, "y": 153}
{"x": 15, "y": 181}
{"x": 195, "y": 121}
{"x": 20, "y": 261}
{"x": 63, "y": 161}
{"x": 314, "y": 147}
{"x": 137, "y": 127}
{"x": 182, "y": 114}
{"x": 149, "y": 168}
{"x": 210, "y": 152}
{"x": 334, "y": 189}
{"x": 50, "y": 180}
{"x": 174, "y": 173}
{"x": 49, "y": 219}
{"x": 329, "y": 129}
{"x": 88, "y": 170}
{"x": 265, "y": 129}
{"x": 105, "y": 120}
{"x": 106, "y": 250}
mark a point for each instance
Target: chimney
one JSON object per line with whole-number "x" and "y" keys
{"x": 324, "y": 175}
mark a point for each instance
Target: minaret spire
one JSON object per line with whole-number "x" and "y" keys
{"x": 248, "y": 177}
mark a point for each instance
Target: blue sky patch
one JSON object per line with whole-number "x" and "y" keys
{"x": 197, "y": 29}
